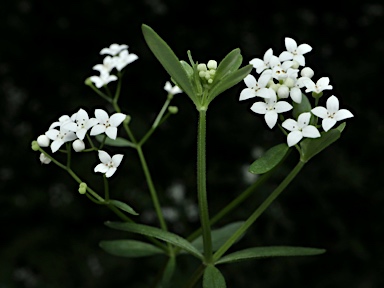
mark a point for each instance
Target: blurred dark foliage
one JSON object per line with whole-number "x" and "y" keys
{"x": 50, "y": 233}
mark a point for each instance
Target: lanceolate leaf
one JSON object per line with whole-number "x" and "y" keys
{"x": 156, "y": 233}
{"x": 269, "y": 160}
{"x": 213, "y": 278}
{"x": 129, "y": 248}
{"x": 311, "y": 147}
{"x": 123, "y": 206}
{"x": 229, "y": 64}
{"x": 219, "y": 236}
{"x": 169, "y": 60}
{"x": 118, "y": 142}
{"x": 229, "y": 81}
{"x": 272, "y": 251}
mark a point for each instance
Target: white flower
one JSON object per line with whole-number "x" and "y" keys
{"x": 78, "y": 145}
{"x": 108, "y": 64}
{"x": 81, "y": 123}
{"x": 107, "y": 125}
{"x": 321, "y": 84}
{"x": 300, "y": 129}
{"x": 59, "y": 137}
{"x": 108, "y": 165}
{"x": 44, "y": 159}
{"x": 172, "y": 90}
{"x": 103, "y": 79}
{"x": 255, "y": 88}
{"x": 62, "y": 119}
{"x": 124, "y": 59}
{"x": 114, "y": 49}
{"x": 294, "y": 52}
{"x": 331, "y": 114}
{"x": 270, "y": 108}
{"x": 282, "y": 70}
{"x": 43, "y": 141}
{"x": 261, "y": 65}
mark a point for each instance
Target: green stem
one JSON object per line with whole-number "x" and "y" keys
{"x": 162, "y": 111}
{"x": 106, "y": 188}
{"x": 101, "y": 94}
{"x": 150, "y": 131}
{"x": 202, "y": 186}
{"x": 195, "y": 276}
{"x": 224, "y": 248}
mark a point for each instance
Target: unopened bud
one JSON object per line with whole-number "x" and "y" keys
{"x": 212, "y": 64}
{"x": 307, "y": 72}
{"x": 283, "y": 91}
{"x": 202, "y": 67}
{"x": 35, "y": 146}
{"x": 83, "y": 188}
{"x": 173, "y": 109}
{"x": 295, "y": 64}
{"x": 43, "y": 141}
{"x": 78, "y": 145}
{"x": 44, "y": 159}
{"x": 289, "y": 82}
{"x": 88, "y": 81}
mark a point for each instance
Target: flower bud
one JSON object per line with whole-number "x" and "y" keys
{"x": 283, "y": 91}
{"x": 88, "y": 81}
{"x": 202, "y": 67}
{"x": 83, "y": 188}
{"x": 35, "y": 146}
{"x": 307, "y": 72}
{"x": 212, "y": 64}
{"x": 275, "y": 87}
{"x": 289, "y": 82}
{"x": 202, "y": 74}
{"x": 295, "y": 64}
{"x": 173, "y": 109}
{"x": 127, "y": 119}
{"x": 43, "y": 141}
{"x": 78, "y": 145}
{"x": 44, "y": 159}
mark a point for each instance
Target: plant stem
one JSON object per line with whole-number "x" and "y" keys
{"x": 202, "y": 186}
{"x": 224, "y": 248}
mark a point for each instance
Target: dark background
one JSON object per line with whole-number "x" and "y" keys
{"x": 49, "y": 233}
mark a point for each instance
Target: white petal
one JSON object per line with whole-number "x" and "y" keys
{"x": 284, "y": 56}
{"x": 111, "y": 132}
{"x": 98, "y": 129}
{"x": 333, "y": 104}
{"x": 110, "y": 172}
{"x": 116, "y": 159}
{"x": 257, "y": 64}
{"x": 101, "y": 168}
{"x": 271, "y": 118}
{"x": 296, "y": 94}
{"x": 290, "y": 125}
{"x": 294, "y": 137}
{"x": 117, "y": 118}
{"x": 168, "y": 87}
{"x": 328, "y": 123}
{"x": 264, "y": 79}
{"x": 290, "y": 44}
{"x": 323, "y": 82}
{"x": 265, "y": 93}
{"x": 101, "y": 115}
{"x": 303, "y": 48}
{"x": 311, "y": 132}
{"x": 250, "y": 81}
{"x": 97, "y": 81}
{"x": 55, "y": 145}
{"x": 259, "y": 107}
{"x": 247, "y": 93}
{"x": 104, "y": 157}
{"x": 71, "y": 126}
{"x": 304, "y": 119}
{"x": 81, "y": 133}
{"x": 343, "y": 114}
{"x": 320, "y": 112}
{"x": 91, "y": 122}
{"x": 282, "y": 106}
{"x": 300, "y": 59}
{"x": 268, "y": 54}
{"x": 82, "y": 115}
{"x": 52, "y": 134}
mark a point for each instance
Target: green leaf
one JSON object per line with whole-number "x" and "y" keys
{"x": 213, "y": 278}
{"x": 156, "y": 233}
{"x": 304, "y": 106}
{"x": 272, "y": 251}
{"x": 219, "y": 236}
{"x": 118, "y": 142}
{"x": 269, "y": 160}
{"x": 129, "y": 248}
{"x": 188, "y": 69}
{"x": 123, "y": 206}
{"x": 229, "y": 81}
{"x": 229, "y": 64}
{"x": 311, "y": 147}
{"x": 169, "y": 60}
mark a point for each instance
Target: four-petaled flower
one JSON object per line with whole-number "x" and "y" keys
{"x": 59, "y": 137}
{"x": 108, "y": 165}
{"x": 331, "y": 114}
{"x": 113, "y": 49}
{"x": 124, "y": 59}
{"x": 293, "y": 52}
{"x": 81, "y": 123}
{"x": 261, "y": 65}
{"x": 270, "y": 108}
{"x": 107, "y": 125}
{"x": 300, "y": 129}
{"x": 103, "y": 79}
{"x": 321, "y": 84}
{"x": 172, "y": 90}
{"x": 255, "y": 88}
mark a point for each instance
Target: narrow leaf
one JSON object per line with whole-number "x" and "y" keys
{"x": 156, "y": 233}
{"x": 129, "y": 248}
{"x": 311, "y": 147}
{"x": 272, "y": 251}
{"x": 229, "y": 64}
{"x": 269, "y": 160}
{"x": 213, "y": 278}
{"x": 118, "y": 142}
{"x": 123, "y": 206}
{"x": 219, "y": 236}
{"x": 169, "y": 60}
{"x": 229, "y": 81}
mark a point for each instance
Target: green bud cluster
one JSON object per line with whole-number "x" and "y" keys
{"x": 208, "y": 71}
{"x": 83, "y": 188}
{"x": 35, "y": 146}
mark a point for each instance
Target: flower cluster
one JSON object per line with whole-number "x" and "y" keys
{"x": 118, "y": 57}
{"x": 281, "y": 78}
{"x": 208, "y": 71}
